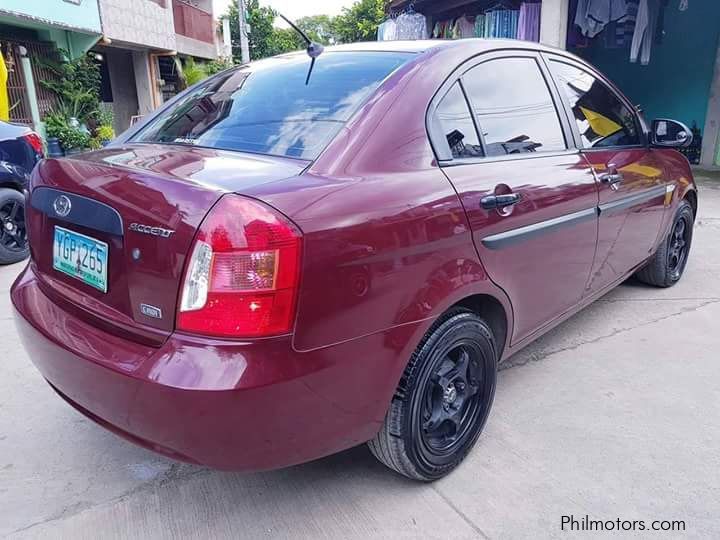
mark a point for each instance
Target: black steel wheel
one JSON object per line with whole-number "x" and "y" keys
{"x": 679, "y": 241}
{"x": 443, "y": 399}
{"x": 13, "y": 233}
{"x": 667, "y": 265}
{"x": 452, "y": 399}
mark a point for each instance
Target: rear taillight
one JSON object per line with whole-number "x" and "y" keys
{"x": 34, "y": 140}
{"x": 242, "y": 277}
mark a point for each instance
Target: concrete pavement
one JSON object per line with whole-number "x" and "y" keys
{"x": 612, "y": 415}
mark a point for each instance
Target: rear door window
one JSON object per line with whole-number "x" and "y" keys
{"x": 268, "y": 108}
{"x": 603, "y": 120}
{"x": 453, "y": 114}
{"x": 513, "y": 107}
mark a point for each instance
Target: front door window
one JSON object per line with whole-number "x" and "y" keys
{"x": 602, "y": 119}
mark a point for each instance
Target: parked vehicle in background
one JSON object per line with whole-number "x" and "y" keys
{"x": 20, "y": 150}
{"x": 283, "y": 263}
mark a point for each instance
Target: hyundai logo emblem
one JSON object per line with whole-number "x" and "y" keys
{"x": 62, "y": 206}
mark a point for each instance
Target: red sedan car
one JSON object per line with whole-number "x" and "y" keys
{"x": 273, "y": 268}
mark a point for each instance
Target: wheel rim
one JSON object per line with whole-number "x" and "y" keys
{"x": 13, "y": 235}
{"x": 453, "y": 400}
{"x": 679, "y": 246}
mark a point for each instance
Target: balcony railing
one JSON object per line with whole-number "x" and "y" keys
{"x": 193, "y": 22}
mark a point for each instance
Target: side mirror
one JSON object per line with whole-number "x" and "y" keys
{"x": 670, "y": 134}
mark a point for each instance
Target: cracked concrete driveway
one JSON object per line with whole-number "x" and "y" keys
{"x": 614, "y": 414}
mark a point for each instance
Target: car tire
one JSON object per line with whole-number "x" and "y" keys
{"x": 13, "y": 237}
{"x": 667, "y": 266}
{"x": 442, "y": 401}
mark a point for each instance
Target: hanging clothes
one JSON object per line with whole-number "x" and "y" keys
{"x": 480, "y": 25}
{"x": 501, "y": 23}
{"x": 592, "y": 16}
{"x": 625, "y": 29}
{"x": 528, "y": 24}
{"x": 644, "y": 31}
{"x": 575, "y": 38}
{"x": 387, "y": 31}
{"x": 660, "y": 24}
{"x": 465, "y": 27}
{"x": 443, "y": 29}
{"x": 490, "y": 25}
{"x": 412, "y": 25}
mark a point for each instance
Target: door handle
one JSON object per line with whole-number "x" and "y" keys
{"x": 612, "y": 178}
{"x": 492, "y": 202}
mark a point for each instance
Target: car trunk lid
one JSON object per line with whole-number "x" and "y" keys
{"x": 146, "y": 203}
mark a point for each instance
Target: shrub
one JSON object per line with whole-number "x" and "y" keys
{"x": 77, "y": 85}
{"x": 70, "y": 137}
{"x": 216, "y": 66}
{"x": 105, "y": 133}
{"x": 193, "y": 73}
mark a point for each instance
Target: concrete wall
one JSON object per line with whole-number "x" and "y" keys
{"x": 711, "y": 134}
{"x": 143, "y": 82}
{"x": 76, "y": 43}
{"x": 124, "y": 90}
{"x": 140, "y": 22}
{"x": 83, "y": 15}
{"x": 205, "y": 5}
{"x": 195, "y": 47}
{"x": 553, "y": 23}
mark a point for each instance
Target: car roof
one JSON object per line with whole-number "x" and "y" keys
{"x": 415, "y": 46}
{"x": 422, "y": 45}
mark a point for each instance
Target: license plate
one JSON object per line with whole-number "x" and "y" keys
{"x": 81, "y": 257}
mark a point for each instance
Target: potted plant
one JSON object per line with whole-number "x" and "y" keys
{"x": 103, "y": 131}
{"x": 77, "y": 88}
{"x": 72, "y": 138}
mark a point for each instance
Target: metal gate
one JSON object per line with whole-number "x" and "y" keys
{"x": 17, "y": 91}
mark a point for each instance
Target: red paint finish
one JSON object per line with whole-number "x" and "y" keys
{"x": 251, "y": 405}
{"x": 390, "y": 240}
{"x": 544, "y": 276}
{"x": 166, "y": 187}
{"x": 627, "y": 237}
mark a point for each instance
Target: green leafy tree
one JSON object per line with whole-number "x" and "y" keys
{"x": 191, "y": 72}
{"x": 262, "y": 27}
{"x": 264, "y": 39}
{"x": 320, "y": 28}
{"x": 76, "y": 85}
{"x": 360, "y": 21}
{"x": 284, "y": 40}
{"x": 216, "y": 66}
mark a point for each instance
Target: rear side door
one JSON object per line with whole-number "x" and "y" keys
{"x": 530, "y": 197}
{"x": 633, "y": 186}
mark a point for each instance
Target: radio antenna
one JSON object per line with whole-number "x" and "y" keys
{"x": 314, "y": 49}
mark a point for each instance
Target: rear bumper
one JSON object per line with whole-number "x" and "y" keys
{"x": 228, "y": 405}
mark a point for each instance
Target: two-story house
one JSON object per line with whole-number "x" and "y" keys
{"x": 142, "y": 43}
{"x": 29, "y": 29}
{"x": 139, "y": 44}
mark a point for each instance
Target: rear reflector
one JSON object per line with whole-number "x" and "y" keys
{"x": 241, "y": 280}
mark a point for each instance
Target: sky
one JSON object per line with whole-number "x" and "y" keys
{"x": 293, "y": 9}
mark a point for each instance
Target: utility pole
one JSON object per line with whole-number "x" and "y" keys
{"x": 244, "y": 45}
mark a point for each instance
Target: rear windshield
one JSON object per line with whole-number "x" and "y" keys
{"x": 267, "y": 108}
